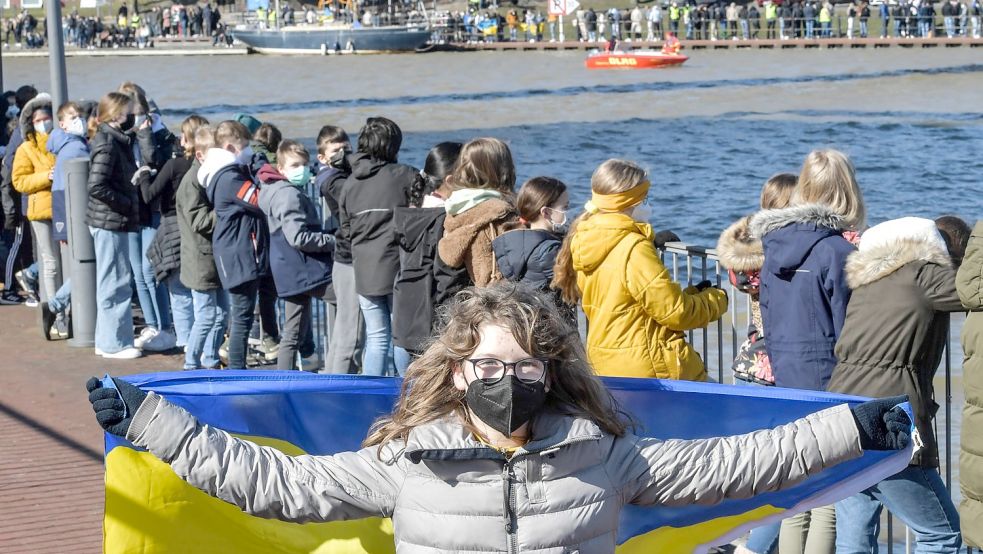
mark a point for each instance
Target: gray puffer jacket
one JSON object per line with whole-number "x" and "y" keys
{"x": 446, "y": 492}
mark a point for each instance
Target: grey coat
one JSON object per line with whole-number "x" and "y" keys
{"x": 446, "y": 492}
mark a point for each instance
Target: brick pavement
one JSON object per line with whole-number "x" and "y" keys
{"x": 51, "y": 473}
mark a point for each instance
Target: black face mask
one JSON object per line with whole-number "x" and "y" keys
{"x": 339, "y": 160}
{"x": 127, "y": 124}
{"x": 506, "y": 405}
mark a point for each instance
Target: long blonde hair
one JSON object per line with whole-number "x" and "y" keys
{"x": 428, "y": 391}
{"x": 611, "y": 177}
{"x": 828, "y": 178}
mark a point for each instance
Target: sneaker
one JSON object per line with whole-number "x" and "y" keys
{"x": 144, "y": 336}
{"x": 99, "y": 352}
{"x": 60, "y": 329}
{"x": 255, "y": 358}
{"x": 26, "y": 282}
{"x": 32, "y": 300}
{"x": 310, "y": 364}
{"x": 161, "y": 342}
{"x": 128, "y": 353}
{"x": 8, "y": 298}
{"x": 270, "y": 348}
{"x": 47, "y": 320}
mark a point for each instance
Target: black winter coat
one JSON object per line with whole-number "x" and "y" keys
{"x": 424, "y": 282}
{"x": 368, "y": 198}
{"x": 330, "y": 181}
{"x": 527, "y": 256}
{"x": 114, "y": 204}
{"x": 896, "y": 329}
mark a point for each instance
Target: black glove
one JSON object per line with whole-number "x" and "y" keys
{"x": 113, "y": 414}
{"x": 703, "y": 285}
{"x": 882, "y": 424}
{"x": 662, "y": 237}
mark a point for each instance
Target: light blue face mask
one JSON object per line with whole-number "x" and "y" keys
{"x": 299, "y": 176}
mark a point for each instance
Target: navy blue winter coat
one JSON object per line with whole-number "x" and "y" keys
{"x": 65, "y": 146}
{"x": 241, "y": 240}
{"x": 804, "y": 293}
{"x": 527, "y": 256}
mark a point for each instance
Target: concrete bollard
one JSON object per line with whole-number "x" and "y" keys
{"x": 83, "y": 254}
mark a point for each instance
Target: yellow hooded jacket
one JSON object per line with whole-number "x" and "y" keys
{"x": 637, "y": 314}
{"x": 29, "y": 175}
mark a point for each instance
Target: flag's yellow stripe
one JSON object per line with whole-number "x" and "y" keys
{"x": 684, "y": 540}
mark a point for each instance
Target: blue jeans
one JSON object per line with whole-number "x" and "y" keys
{"x": 809, "y": 26}
{"x": 62, "y": 299}
{"x": 950, "y": 26}
{"x": 205, "y": 336}
{"x": 377, "y": 313}
{"x": 153, "y": 299}
{"x": 917, "y": 496}
{"x": 242, "y": 301}
{"x": 114, "y": 319}
{"x": 182, "y": 307}
{"x": 402, "y": 359}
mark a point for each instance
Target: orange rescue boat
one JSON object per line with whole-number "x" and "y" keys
{"x": 633, "y": 60}
{"x": 611, "y": 58}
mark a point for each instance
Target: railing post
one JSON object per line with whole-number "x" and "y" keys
{"x": 83, "y": 254}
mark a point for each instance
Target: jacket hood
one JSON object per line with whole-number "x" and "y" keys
{"x": 412, "y": 224}
{"x": 599, "y": 234}
{"x": 889, "y": 246}
{"x": 448, "y": 438}
{"x": 270, "y": 174}
{"x": 215, "y": 159}
{"x": 817, "y": 215}
{"x": 514, "y": 249}
{"x": 59, "y": 139}
{"x": 461, "y": 230}
{"x": 364, "y": 165}
{"x": 738, "y": 250}
{"x": 790, "y": 234}
{"x": 42, "y": 100}
{"x": 463, "y": 200}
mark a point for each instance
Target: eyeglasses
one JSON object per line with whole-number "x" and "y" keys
{"x": 491, "y": 370}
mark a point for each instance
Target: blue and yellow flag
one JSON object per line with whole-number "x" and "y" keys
{"x": 149, "y": 509}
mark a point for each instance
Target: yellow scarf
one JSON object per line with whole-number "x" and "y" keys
{"x": 618, "y": 202}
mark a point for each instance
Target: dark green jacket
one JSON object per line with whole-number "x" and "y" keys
{"x": 970, "y": 284}
{"x": 896, "y": 328}
{"x": 196, "y": 221}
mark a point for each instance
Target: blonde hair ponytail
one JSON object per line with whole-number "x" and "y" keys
{"x": 611, "y": 177}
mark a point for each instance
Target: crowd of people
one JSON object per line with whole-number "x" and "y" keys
{"x": 797, "y": 19}
{"x": 140, "y": 30}
{"x": 204, "y": 228}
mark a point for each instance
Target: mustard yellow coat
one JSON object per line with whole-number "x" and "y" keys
{"x": 636, "y": 313}
{"x": 32, "y": 164}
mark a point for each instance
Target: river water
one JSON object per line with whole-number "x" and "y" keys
{"x": 710, "y": 131}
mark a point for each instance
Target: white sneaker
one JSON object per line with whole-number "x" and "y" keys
{"x": 161, "y": 342}
{"x": 127, "y": 353}
{"x": 99, "y": 352}
{"x": 145, "y": 336}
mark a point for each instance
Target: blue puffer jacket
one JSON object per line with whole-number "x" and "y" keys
{"x": 64, "y": 146}
{"x": 241, "y": 239}
{"x": 527, "y": 256}
{"x": 804, "y": 293}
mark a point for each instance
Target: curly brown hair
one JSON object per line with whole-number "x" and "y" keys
{"x": 428, "y": 391}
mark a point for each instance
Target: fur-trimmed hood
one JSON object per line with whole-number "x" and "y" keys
{"x": 767, "y": 221}
{"x": 889, "y": 246}
{"x": 738, "y": 250}
{"x": 40, "y": 101}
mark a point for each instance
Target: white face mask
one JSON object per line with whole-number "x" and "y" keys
{"x": 77, "y": 127}
{"x": 12, "y": 112}
{"x": 246, "y": 156}
{"x": 642, "y": 213}
{"x": 139, "y": 120}
{"x": 44, "y": 127}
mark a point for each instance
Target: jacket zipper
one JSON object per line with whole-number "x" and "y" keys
{"x": 508, "y": 473}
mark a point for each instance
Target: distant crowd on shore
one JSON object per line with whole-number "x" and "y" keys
{"x": 724, "y": 21}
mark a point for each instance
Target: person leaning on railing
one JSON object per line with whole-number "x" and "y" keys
{"x": 637, "y": 314}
